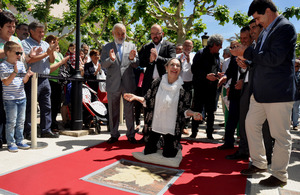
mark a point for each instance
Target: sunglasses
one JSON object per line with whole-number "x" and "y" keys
{"x": 19, "y": 53}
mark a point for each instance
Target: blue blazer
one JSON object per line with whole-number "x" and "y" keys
{"x": 274, "y": 73}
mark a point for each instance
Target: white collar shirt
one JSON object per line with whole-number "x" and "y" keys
{"x": 186, "y": 72}
{"x": 155, "y": 71}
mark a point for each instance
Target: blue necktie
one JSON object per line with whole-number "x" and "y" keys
{"x": 120, "y": 51}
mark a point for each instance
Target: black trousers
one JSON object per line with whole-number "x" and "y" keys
{"x": 233, "y": 119}
{"x": 55, "y": 102}
{"x": 138, "y": 107}
{"x": 244, "y": 107}
{"x": 205, "y": 98}
{"x": 169, "y": 149}
{"x": 188, "y": 87}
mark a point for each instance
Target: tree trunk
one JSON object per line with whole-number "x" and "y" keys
{"x": 181, "y": 36}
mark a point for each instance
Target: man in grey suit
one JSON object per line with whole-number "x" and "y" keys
{"x": 273, "y": 90}
{"x": 119, "y": 58}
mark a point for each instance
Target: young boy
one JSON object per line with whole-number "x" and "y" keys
{"x": 14, "y": 98}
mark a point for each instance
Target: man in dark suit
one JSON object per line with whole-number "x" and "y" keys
{"x": 243, "y": 149}
{"x": 154, "y": 56}
{"x": 273, "y": 90}
{"x": 237, "y": 76}
{"x": 119, "y": 58}
{"x": 206, "y": 72}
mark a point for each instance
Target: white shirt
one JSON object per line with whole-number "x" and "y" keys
{"x": 155, "y": 71}
{"x": 95, "y": 66}
{"x": 186, "y": 72}
{"x": 166, "y": 104}
{"x": 225, "y": 64}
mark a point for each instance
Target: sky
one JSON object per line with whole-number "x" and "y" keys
{"x": 229, "y": 29}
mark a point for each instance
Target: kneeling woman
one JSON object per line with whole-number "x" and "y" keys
{"x": 168, "y": 106}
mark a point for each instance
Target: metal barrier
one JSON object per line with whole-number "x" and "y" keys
{"x": 34, "y": 86}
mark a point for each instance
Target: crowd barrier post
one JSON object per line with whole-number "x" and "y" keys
{"x": 34, "y": 85}
{"x": 121, "y": 111}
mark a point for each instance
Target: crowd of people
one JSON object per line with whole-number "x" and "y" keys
{"x": 257, "y": 81}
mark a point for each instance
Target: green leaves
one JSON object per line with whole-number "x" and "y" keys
{"x": 99, "y": 16}
{"x": 293, "y": 11}
{"x": 241, "y": 19}
{"x": 298, "y": 46}
{"x": 221, "y": 13}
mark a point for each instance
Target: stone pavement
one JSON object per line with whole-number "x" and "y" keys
{"x": 66, "y": 144}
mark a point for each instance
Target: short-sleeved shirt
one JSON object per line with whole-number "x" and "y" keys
{"x": 15, "y": 90}
{"x": 12, "y": 38}
{"x": 42, "y": 66}
{"x": 58, "y": 58}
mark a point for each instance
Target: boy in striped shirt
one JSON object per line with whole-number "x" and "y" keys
{"x": 14, "y": 97}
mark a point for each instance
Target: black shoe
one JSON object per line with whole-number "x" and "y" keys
{"x": 86, "y": 126}
{"x": 141, "y": 141}
{"x": 112, "y": 140}
{"x": 272, "y": 182}
{"x": 237, "y": 156}
{"x": 1, "y": 143}
{"x": 67, "y": 125}
{"x": 251, "y": 170}
{"x": 225, "y": 147}
{"x": 49, "y": 135}
{"x": 222, "y": 124}
{"x": 132, "y": 140}
{"x": 209, "y": 136}
{"x": 193, "y": 135}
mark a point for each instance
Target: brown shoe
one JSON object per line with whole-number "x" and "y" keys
{"x": 272, "y": 182}
{"x": 251, "y": 170}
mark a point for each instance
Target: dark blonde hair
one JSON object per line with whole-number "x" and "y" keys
{"x": 10, "y": 45}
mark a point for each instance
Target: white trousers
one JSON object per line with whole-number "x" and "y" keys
{"x": 279, "y": 119}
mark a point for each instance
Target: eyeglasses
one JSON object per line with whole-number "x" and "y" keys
{"x": 175, "y": 65}
{"x": 156, "y": 34}
{"x": 19, "y": 53}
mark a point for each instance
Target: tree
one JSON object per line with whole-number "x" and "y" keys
{"x": 242, "y": 19}
{"x": 171, "y": 13}
{"x": 98, "y": 18}
{"x": 20, "y": 5}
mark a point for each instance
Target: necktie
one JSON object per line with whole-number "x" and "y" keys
{"x": 120, "y": 51}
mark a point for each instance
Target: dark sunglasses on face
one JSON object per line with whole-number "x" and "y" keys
{"x": 19, "y": 53}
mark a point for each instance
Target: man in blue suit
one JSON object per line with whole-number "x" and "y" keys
{"x": 273, "y": 90}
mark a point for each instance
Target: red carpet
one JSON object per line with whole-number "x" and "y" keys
{"x": 206, "y": 171}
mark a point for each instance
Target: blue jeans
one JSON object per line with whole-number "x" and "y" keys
{"x": 295, "y": 114}
{"x": 15, "y": 117}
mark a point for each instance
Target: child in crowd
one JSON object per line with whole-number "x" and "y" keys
{"x": 14, "y": 97}
{"x": 71, "y": 53}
